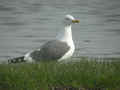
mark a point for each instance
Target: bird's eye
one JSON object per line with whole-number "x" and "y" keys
{"x": 67, "y": 19}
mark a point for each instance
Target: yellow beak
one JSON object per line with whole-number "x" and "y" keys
{"x": 75, "y": 21}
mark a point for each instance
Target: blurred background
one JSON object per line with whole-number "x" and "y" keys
{"x": 27, "y": 24}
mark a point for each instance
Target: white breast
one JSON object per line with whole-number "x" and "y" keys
{"x": 66, "y": 36}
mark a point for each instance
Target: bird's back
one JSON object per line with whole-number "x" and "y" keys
{"x": 52, "y": 50}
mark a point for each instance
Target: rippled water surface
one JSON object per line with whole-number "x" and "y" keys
{"x": 27, "y": 24}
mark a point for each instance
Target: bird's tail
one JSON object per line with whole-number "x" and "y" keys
{"x": 16, "y": 60}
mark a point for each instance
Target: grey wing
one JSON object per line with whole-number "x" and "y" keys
{"x": 52, "y": 50}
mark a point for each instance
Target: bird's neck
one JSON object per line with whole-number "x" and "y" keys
{"x": 66, "y": 34}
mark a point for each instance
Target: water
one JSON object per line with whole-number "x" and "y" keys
{"x": 27, "y": 24}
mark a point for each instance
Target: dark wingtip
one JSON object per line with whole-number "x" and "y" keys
{"x": 16, "y": 60}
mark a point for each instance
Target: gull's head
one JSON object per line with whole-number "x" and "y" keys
{"x": 69, "y": 19}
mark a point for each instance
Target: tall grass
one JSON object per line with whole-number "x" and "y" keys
{"x": 42, "y": 75}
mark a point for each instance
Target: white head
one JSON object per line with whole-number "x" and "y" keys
{"x": 69, "y": 19}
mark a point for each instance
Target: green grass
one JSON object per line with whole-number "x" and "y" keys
{"x": 39, "y": 76}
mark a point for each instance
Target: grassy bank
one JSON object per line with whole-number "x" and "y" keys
{"x": 85, "y": 74}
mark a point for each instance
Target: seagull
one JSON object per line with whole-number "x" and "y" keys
{"x": 58, "y": 49}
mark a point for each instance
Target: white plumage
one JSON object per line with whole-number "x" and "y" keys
{"x": 65, "y": 36}
{"x": 59, "y": 49}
